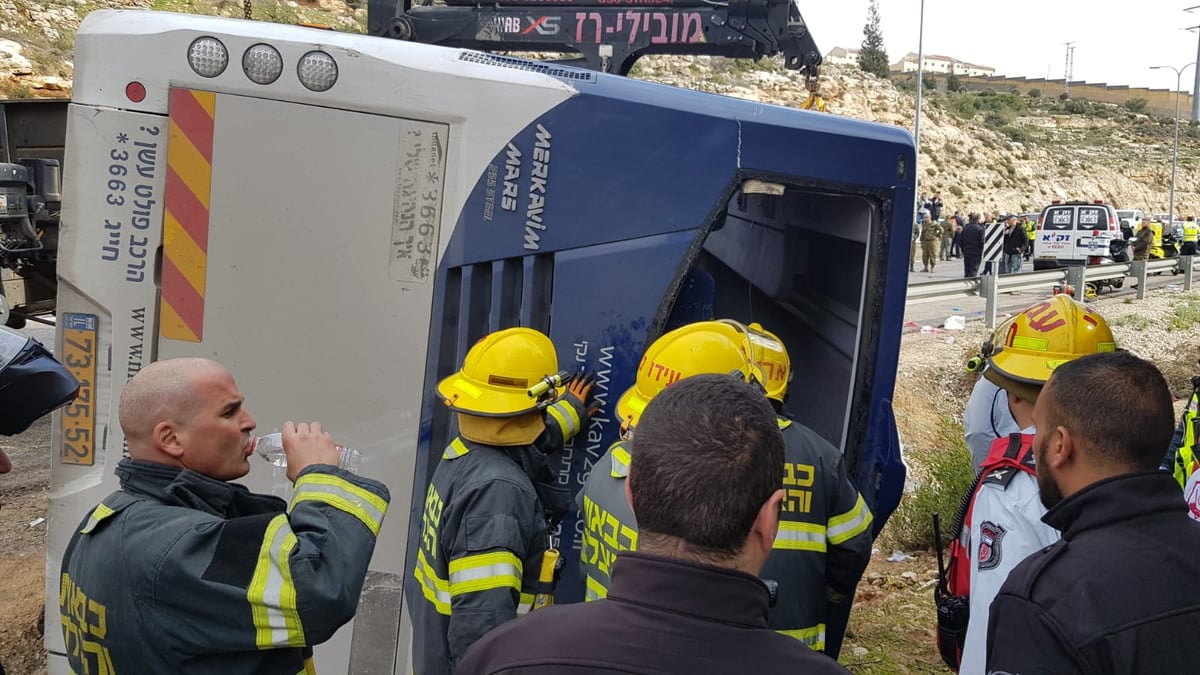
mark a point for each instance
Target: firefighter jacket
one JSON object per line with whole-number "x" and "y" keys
{"x": 661, "y": 616}
{"x": 1120, "y": 593}
{"x": 484, "y": 531}
{"x": 824, "y": 540}
{"x": 1006, "y": 526}
{"x": 180, "y": 573}
{"x": 608, "y": 523}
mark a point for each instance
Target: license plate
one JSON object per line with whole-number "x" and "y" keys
{"x": 79, "y": 420}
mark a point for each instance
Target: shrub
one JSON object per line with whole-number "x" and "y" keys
{"x": 1017, "y": 134}
{"x": 995, "y": 120}
{"x": 956, "y": 191}
{"x": 1064, "y": 96}
{"x": 1035, "y": 93}
{"x": 1136, "y": 105}
{"x": 953, "y": 83}
{"x": 1076, "y": 107}
{"x": 950, "y": 475}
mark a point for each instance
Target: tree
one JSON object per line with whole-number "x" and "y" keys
{"x": 953, "y": 83}
{"x": 873, "y": 57}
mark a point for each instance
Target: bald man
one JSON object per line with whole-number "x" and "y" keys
{"x": 182, "y": 571}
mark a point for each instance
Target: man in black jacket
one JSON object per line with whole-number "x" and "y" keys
{"x": 1114, "y": 593}
{"x": 971, "y": 244}
{"x": 704, "y": 481}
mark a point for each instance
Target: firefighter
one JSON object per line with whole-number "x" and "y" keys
{"x": 824, "y": 541}
{"x": 493, "y": 499}
{"x": 1003, "y": 523}
{"x": 701, "y": 347}
{"x": 1191, "y": 233}
{"x": 183, "y": 570}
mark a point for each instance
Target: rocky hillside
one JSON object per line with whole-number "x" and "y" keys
{"x": 1004, "y": 153}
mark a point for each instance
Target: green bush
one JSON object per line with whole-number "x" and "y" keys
{"x": 956, "y": 191}
{"x": 995, "y": 120}
{"x": 1017, "y": 134}
{"x": 950, "y": 475}
{"x": 1076, "y": 107}
{"x": 953, "y": 83}
{"x": 1064, "y": 96}
{"x": 1136, "y": 105}
{"x": 963, "y": 105}
{"x": 1035, "y": 93}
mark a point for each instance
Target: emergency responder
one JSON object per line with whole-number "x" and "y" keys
{"x": 1182, "y": 459}
{"x": 1143, "y": 240}
{"x": 184, "y": 571}
{"x": 708, "y": 462}
{"x": 1191, "y": 233}
{"x": 824, "y": 541}
{"x": 1005, "y": 511}
{"x": 916, "y": 236}
{"x": 1156, "y": 246}
{"x": 1119, "y": 592}
{"x": 931, "y": 235}
{"x": 987, "y": 415}
{"x": 1031, "y": 235}
{"x": 493, "y": 499}
{"x": 701, "y": 347}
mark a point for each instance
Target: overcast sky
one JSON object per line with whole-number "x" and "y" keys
{"x": 1114, "y": 42}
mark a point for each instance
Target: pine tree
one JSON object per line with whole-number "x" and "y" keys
{"x": 873, "y": 57}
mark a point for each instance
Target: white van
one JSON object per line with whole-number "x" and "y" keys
{"x": 1128, "y": 220}
{"x": 1075, "y": 233}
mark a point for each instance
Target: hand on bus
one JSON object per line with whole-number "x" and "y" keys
{"x": 306, "y": 444}
{"x": 582, "y": 388}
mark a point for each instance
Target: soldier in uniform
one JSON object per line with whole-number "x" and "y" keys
{"x": 931, "y": 235}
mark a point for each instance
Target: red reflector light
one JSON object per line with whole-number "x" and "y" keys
{"x": 1093, "y": 261}
{"x": 135, "y": 91}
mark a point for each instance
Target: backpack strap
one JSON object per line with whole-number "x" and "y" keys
{"x": 1008, "y": 457}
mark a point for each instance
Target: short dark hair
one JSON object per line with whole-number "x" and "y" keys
{"x": 707, "y": 454}
{"x": 1118, "y": 404}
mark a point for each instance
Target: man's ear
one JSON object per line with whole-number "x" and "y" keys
{"x": 165, "y": 437}
{"x": 1063, "y": 449}
{"x": 629, "y": 491}
{"x": 766, "y": 524}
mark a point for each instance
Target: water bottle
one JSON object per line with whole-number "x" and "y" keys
{"x": 270, "y": 448}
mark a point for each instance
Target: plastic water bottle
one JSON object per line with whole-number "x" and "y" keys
{"x": 270, "y": 448}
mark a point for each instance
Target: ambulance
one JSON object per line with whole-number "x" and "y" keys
{"x": 337, "y": 218}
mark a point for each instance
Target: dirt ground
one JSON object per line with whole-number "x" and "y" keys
{"x": 23, "y": 494}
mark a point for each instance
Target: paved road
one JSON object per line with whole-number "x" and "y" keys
{"x": 935, "y": 313}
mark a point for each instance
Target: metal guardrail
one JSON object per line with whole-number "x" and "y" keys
{"x": 989, "y": 286}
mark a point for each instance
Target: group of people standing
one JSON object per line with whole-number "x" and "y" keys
{"x": 960, "y": 236}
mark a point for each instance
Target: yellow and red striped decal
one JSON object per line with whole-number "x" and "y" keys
{"x": 185, "y": 224}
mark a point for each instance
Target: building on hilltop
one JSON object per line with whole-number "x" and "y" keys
{"x": 842, "y": 56}
{"x": 944, "y": 65}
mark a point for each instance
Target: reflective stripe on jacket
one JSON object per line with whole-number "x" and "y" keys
{"x": 181, "y": 573}
{"x": 824, "y": 540}
{"x": 483, "y": 536}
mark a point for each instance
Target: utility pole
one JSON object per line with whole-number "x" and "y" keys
{"x": 1070, "y": 65}
{"x": 1196, "y": 82}
{"x": 920, "y": 87}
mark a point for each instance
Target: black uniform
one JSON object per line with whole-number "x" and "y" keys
{"x": 660, "y": 616}
{"x": 1120, "y": 593}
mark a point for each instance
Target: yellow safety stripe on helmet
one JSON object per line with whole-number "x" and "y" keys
{"x": 526, "y": 604}
{"x": 1102, "y": 347}
{"x": 310, "y": 668}
{"x": 595, "y": 590}
{"x": 342, "y": 495}
{"x": 99, "y": 513}
{"x": 1026, "y": 342}
{"x": 813, "y": 637}
{"x": 620, "y": 462}
{"x": 565, "y": 416}
{"x": 844, "y": 527}
{"x": 271, "y": 594}
{"x": 456, "y": 449}
{"x": 435, "y": 589}
{"x": 484, "y": 572}
{"x": 783, "y": 422}
{"x": 794, "y": 536}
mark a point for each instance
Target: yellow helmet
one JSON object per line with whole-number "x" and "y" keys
{"x": 1046, "y": 335}
{"x": 694, "y": 349}
{"x": 499, "y": 370}
{"x": 771, "y": 356}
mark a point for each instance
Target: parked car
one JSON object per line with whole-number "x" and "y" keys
{"x": 1129, "y": 221}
